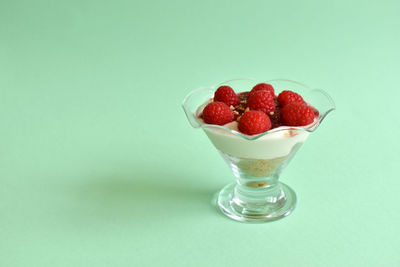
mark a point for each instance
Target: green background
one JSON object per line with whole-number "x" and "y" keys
{"x": 99, "y": 166}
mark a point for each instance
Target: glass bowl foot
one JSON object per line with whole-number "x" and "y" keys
{"x": 256, "y": 206}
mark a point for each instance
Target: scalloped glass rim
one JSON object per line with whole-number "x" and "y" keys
{"x": 306, "y": 93}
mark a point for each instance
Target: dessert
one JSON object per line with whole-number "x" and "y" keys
{"x": 256, "y": 112}
{"x": 257, "y": 132}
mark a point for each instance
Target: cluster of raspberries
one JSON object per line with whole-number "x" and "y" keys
{"x": 259, "y": 110}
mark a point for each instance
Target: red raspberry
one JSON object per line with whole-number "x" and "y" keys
{"x": 261, "y": 100}
{"x": 287, "y": 97}
{"x": 263, "y": 86}
{"x": 254, "y": 122}
{"x": 297, "y": 114}
{"x": 227, "y": 95}
{"x": 217, "y": 113}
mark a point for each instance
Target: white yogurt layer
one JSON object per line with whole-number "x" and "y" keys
{"x": 272, "y": 145}
{"x": 269, "y": 146}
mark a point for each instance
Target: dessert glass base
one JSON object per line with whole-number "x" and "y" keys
{"x": 256, "y": 205}
{"x": 257, "y": 160}
{"x": 257, "y": 195}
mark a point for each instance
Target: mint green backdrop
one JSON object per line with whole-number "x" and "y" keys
{"x": 99, "y": 167}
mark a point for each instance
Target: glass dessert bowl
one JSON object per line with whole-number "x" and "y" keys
{"x": 257, "y": 160}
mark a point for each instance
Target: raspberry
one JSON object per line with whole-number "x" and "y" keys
{"x": 254, "y": 122}
{"x": 261, "y": 100}
{"x": 297, "y": 114}
{"x": 263, "y": 86}
{"x": 217, "y": 113}
{"x": 227, "y": 95}
{"x": 287, "y": 97}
